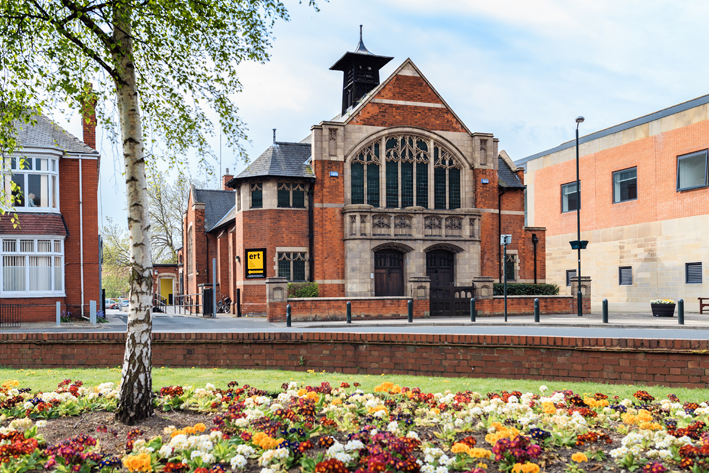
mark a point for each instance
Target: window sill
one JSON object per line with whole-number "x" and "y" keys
{"x": 42, "y": 210}
{"x": 626, "y": 201}
{"x": 30, "y": 295}
{"x": 692, "y": 188}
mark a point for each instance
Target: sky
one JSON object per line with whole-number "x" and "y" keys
{"x": 522, "y": 70}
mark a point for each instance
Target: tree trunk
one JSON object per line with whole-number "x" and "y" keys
{"x": 135, "y": 394}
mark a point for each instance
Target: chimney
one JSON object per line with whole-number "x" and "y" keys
{"x": 226, "y": 178}
{"x": 88, "y": 119}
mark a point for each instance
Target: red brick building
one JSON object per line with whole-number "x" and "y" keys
{"x": 394, "y": 191}
{"x": 52, "y": 255}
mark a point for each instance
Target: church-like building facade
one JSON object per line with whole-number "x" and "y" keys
{"x": 395, "y": 188}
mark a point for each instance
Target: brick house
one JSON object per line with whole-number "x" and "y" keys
{"x": 394, "y": 190}
{"x": 644, "y": 207}
{"x": 52, "y": 255}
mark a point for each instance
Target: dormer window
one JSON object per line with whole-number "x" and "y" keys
{"x": 33, "y": 183}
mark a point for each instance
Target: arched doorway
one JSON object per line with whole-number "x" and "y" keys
{"x": 388, "y": 273}
{"x": 440, "y": 267}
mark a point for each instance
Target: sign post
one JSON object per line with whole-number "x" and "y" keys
{"x": 255, "y": 263}
{"x": 504, "y": 241}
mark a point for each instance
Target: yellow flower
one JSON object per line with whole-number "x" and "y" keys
{"x": 200, "y": 427}
{"x": 336, "y": 402}
{"x": 525, "y": 468}
{"x": 480, "y": 453}
{"x": 548, "y": 407}
{"x": 579, "y": 457}
{"x": 500, "y": 432}
{"x": 10, "y": 383}
{"x": 460, "y": 448}
{"x": 139, "y": 462}
{"x": 482, "y": 465}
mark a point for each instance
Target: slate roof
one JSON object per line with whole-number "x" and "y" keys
{"x": 505, "y": 176}
{"x": 34, "y": 224}
{"x": 228, "y": 218}
{"x": 47, "y": 134}
{"x": 280, "y": 160}
{"x": 217, "y": 203}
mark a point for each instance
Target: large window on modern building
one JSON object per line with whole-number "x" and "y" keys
{"x": 409, "y": 163}
{"x": 291, "y": 195}
{"x": 256, "y": 196}
{"x": 291, "y": 266}
{"x": 33, "y": 183}
{"x": 569, "y": 197}
{"x": 693, "y": 273}
{"x": 625, "y": 185}
{"x": 32, "y": 266}
{"x": 625, "y": 276}
{"x": 692, "y": 171}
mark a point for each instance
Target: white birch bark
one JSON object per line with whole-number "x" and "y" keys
{"x": 135, "y": 395}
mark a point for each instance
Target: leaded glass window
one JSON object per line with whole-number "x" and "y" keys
{"x": 357, "y": 180}
{"x": 291, "y": 195}
{"x": 291, "y": 266}
{"x": 407, "y": 184}
{"x": 283, "y": 194}
{"x": 422, "y": 185}
{"x": 364, "y": 176}
{"x": 454, "y": 188}
{"x": 256, "y": 196}
{"x": 392, "y": 183}
{"x": 373, "y": 184}
{"x": 439, "y": 183}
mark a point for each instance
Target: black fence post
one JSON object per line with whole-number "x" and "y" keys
{"x": 605, "y": 311}
{"x": 349, "y": 312}
{"x": 680, "y": 311}
{"x": 410, "y": 305}
{"x": 472, "y": 309}
{"x": 536, "y": 309}
{"x": 238, "y": 302}
{"x": 288, "y": 323}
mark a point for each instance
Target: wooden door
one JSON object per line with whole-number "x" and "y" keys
{"x": 388, "y": 273}
{"x": 440, "y": 268}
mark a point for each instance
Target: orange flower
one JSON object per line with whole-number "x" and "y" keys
{"x": 138, "y": 463}
{"x": 200, "y": 427}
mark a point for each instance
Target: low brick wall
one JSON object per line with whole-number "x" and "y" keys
{"x": 37, "y": 309}
{"x": 681, "y": 363}
{"x": 335, "y": 308}
{"x": 524, "y": 305}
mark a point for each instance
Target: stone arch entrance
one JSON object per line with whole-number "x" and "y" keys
{"x": 388, "y": 272}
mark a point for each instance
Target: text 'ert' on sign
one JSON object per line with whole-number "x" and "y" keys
{"x": 256, "y": 263}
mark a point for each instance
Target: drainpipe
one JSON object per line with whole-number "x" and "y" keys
{"x": 535, "y": 240}
{"x": 499, "y": 230}
{"x": 311, "y": 234}
{"x": 81, "y": 234}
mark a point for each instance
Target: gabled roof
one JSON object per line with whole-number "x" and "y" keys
{"x": 47, "y": 134}
{"x": 279, "y": 160}
{"x": 506, "y": 177}
{"x": 350, "y": 115}
{"x": 217, "y": 203}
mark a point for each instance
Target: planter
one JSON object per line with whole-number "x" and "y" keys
{"x": 663, "y": 310}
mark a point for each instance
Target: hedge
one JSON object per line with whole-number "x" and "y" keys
{"x": 519, "y": 289}
{"x": 303, "y": 289}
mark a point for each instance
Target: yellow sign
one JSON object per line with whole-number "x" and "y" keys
{"x": 256, "y": 263}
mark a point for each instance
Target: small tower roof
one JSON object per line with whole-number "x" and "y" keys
{"x": 360, "y": 52}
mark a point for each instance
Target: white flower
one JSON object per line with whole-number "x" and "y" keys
{"x": 238, "y": 461}
{"x": 343, "y": 457}
{"x": 412, "y": 435}
{"x": 354, "y": 445}
{"x": 245, "y": 450}
{"x": 41, "y": 423}
{"x": 210, "y": 387}
{"x": 428, "y": 468}
{"x": 441, "y": 469}
{"x": 165, "y": 451}
{"x": 267, "y": 470}
{"x": 445, "y": 460}
{"x": 543, "y": 389}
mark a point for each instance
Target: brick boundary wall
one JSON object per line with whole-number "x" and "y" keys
{"x": 524, "y": 305}
{"x": 335, "y": 308}
{"x": 677, "y": 363}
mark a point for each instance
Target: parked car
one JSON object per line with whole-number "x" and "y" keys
{"x": 124, "y": 305}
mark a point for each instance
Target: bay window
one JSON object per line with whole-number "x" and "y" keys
{"x": 33, "y": 183}
{"x": 32, "y": 266}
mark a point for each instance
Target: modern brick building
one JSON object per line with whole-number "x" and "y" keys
{"x": 393, "y": 191}
{"x": 644, "y": 207}
{"x": 52, "y": 254}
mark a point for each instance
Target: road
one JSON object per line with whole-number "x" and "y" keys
{"x": 590, "y": 326}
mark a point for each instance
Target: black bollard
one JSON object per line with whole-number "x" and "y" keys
{"x": 536, "y": 309}
{"x": 605, "y": 311}
{"x": 680, "y": 311}
{"x": 410, "y": 305}
{"x": 349, "y": 312}
{"x": 288, "y": 315}
{"x": 472, "y": 309}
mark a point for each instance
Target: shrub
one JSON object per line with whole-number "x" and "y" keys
{"x": 303, "y": 289}
{"x": 518, "y": 289}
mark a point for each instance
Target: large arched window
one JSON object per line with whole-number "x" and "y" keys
{"x": 410, "y": 169}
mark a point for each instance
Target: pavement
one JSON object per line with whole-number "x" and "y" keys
{"x": 590, "y": 325}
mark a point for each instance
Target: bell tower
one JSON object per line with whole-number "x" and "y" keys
{"x": 361, "y": 73}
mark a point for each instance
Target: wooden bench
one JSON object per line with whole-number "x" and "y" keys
{"x": 703, "y": 304}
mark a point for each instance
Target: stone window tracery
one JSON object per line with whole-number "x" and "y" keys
{"x": 402, "y": 225}
{"x": 454, "y": 226}
{"x": 291, "y": 266}
{"x": 432, "y": 226}
{"x": 381, "y": 225}
{"x": 401, "y": 177}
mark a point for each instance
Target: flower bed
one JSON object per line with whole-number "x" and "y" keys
{"x": 325, "y": 429}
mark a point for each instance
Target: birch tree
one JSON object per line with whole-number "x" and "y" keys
{"x": 160, "y": 64}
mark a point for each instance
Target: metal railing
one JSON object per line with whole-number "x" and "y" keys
{"x": 10, "y": 316}
{"x": 159, "y": 303}
{"x": 188, "y": 304}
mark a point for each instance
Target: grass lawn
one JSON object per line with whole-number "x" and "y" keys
{"x": 47, "y": 380}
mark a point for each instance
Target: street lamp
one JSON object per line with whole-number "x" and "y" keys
{"x": 579, "y": 120}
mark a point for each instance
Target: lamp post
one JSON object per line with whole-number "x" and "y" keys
{"x": 579, "y": 120}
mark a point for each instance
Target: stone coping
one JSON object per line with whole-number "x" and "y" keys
{"x": 349, "y": 299}
{"x": 560, "y": 296}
